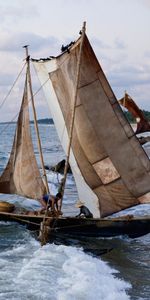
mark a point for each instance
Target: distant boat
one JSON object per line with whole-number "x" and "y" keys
{"x": 142, "y": 123}
{"x": 111, "y": 169}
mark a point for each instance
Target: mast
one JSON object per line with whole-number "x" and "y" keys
{"x": 35, "y": 118}
{"x": 73, "y": 111}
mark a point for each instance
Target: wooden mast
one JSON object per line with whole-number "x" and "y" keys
{"x": 35, "y": 118}
{"x": 73, "y": 111}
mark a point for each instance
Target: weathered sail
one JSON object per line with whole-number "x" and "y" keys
{"x": 142, "y": 123}
{"x": 111, "y": 170}
{"x": 21, "y": 175}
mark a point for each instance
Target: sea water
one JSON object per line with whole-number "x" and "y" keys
{"x": 66, "y": 269}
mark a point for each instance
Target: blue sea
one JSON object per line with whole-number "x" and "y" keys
{"x": 66, "y": 269}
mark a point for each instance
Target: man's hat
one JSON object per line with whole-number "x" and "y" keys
{"x": 79, "y": 204}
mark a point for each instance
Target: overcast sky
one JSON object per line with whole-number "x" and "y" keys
{"x": 119, "y": 31}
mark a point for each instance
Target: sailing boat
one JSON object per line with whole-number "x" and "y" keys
{"x": 110, "y": 167}
{"x": 142, "y": 123}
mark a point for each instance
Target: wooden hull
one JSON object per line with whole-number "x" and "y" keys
{"x": 77, "y": 227}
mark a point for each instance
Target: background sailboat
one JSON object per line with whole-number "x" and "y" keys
{"x": 142, "y": 123}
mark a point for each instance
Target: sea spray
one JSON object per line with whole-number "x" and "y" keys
{"x": 29, "y": 271}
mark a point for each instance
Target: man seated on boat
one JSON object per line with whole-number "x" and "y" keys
{"x": 51, "y": 202}
{"x": 84, "y": 211}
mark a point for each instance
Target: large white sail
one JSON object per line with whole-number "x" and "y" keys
{"x": 84, "y": 191}
{"x": 110, "y": 167}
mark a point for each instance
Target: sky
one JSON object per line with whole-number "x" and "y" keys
{"x": 119, "y": 32}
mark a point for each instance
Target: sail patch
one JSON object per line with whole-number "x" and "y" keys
{"x": 106, "y": 170}
{"x": 145, "y": 198}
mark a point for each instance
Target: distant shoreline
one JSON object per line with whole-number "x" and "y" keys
{"x": 40, "y": 121}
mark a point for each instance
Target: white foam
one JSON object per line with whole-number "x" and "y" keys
{"x": 6, "y": 223}
{"x": 57, "y": 272}
{"x": 138, "y": 210}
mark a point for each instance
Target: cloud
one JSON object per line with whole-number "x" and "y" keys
{"x": 119, "y": 44}
{"x": 12, "y": 56}
{"x": 122, "y": 49}
{"x": 5, "y": 79}
{"x": 99, "y": 44}
{"x": 147, "y": 54}
{"x": 133, "y": 79}
{"x": 130, "y": 76}
{"x": 15, "y": 41}
{"x": 146, "y": 3}
{"x": 14, "y": 11}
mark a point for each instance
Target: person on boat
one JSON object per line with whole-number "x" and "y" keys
{"x": 84, "y": 211}
{"x": 51, "y": 202}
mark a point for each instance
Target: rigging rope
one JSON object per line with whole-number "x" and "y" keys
{"x": 12, "y": 86}
{"x": 14, "y": 118}
{"x": 52, "y": 219}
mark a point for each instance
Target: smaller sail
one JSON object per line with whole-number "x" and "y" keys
{"x": 21, "y": 175}
{"x": 142, "y": 123}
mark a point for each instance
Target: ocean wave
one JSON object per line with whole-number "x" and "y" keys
{"x": 57, "y": 272}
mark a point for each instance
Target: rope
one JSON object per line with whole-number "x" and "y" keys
{"x": 52, "y": 228}
{"x": 13, "y": 119}
{"x": 12, "y": 86}
{"x": 45, "y": 235}
{"x": 26, "y": 221}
